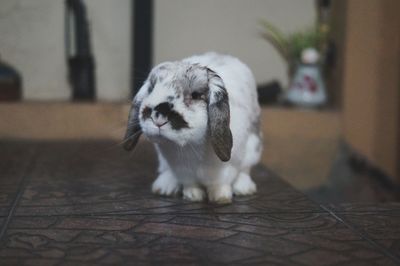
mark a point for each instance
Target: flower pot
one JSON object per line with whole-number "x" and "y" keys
{"x": 307, "y": 87}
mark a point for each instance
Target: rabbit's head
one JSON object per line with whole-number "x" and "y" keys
{"x": 182, "y": 103}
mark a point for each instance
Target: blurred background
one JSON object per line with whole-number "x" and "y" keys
{"x": 327, "y": 74}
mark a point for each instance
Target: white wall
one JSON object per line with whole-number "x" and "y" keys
{"x": 32, "y": 40}
{"x": 111, "y": 39}
{"x": 186, "y": 27}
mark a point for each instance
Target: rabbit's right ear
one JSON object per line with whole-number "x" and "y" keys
{"x": 133, "y": 130}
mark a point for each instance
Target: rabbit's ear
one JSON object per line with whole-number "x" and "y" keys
{"x": 219, "y": 116}
{"x": 133, "y": 130}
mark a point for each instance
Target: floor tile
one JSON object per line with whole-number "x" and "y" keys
{"x": 288, "y": 239}
{"x": 364, "y": 207}
{"x": 15, "y": 159}
{"x": 382, "y": 227}
{"x": 83, "y": 178}
{"x": 89, "y": 203}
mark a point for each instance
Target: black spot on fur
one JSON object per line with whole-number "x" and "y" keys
{"x": 152, "y": 81}
{"x": 177, "y": 121}
{"x": 146, "y": 113}
{"x": 220, "y": 96}
{"x": 164, "y": 108}
{"x": 220, "y": 86}
{"x": 212, "y": 74}
{"x": 161, "y": 68}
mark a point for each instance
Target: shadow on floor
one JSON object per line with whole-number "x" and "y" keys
{"x": 353, "y": 180}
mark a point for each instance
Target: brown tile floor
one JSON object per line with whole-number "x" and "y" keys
{"x": 75, "y": 203}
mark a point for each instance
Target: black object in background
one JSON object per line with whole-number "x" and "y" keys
{"x": 142, "y": 41}
{"x": 269, "y": 93}
{"x": 81, "y": 63}
{"x": 10, "y": 83}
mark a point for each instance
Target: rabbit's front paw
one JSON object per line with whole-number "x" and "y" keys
{"x": 221, "y": 194}
{"x": 193, "y": 193}
{"x": 244, "y": 185}
{"x": 166, "y": 184}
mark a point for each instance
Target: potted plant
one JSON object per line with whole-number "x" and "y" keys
{"x": 303, "y": 51}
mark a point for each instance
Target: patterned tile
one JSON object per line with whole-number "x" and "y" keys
{"x": 359, "y": 207}
{"x": 15, "y": 158}
{"x": 90, "y": 204}
{"x": 94, "y": 179}
{"x": 275, "y": 238}
{"x": 118, "y": 239}
{"x": 382, "y": 227}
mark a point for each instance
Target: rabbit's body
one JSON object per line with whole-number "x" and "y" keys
{"x": 203, "y": 153}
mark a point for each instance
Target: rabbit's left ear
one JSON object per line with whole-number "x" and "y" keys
{"x": 133, "y": 130}
{"x": 219, "y": 117}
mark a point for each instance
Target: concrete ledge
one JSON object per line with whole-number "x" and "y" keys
{"x": 285, "y": 122}
{"x": 49, "y": 121}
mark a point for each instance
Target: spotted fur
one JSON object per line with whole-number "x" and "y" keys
{"x": 201, "y": 114}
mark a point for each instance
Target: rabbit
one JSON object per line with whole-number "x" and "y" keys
{"x": 203, "y": 117}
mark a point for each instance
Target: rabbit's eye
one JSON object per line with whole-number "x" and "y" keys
{"x": 197, "y": 95}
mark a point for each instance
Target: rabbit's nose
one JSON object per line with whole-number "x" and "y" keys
{"x": 163, "y": 109}
{"x": 159, "y": 122}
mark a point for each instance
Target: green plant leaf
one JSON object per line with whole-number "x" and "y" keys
{"x": 275, "y": 36}
{"x": 290, "y": 46}
{"x": 281, "y": 50}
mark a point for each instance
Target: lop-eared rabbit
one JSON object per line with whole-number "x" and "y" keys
{"x": 202, "y": 115}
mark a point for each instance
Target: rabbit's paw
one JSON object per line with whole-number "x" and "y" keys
{"x": 166, "y": 184}
{"x": 221, "y": 194}
{"x": 243, "y": 185}
{"x": 193, "y": 193}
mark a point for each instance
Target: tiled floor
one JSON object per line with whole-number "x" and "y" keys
{"x": 75, "y": 203}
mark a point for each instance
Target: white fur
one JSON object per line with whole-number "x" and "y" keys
{"x": 186, "y": 156}
{"x": 193, "y": 193}
{"x": 166, "y": 184}
{"x": 243, "y": 185}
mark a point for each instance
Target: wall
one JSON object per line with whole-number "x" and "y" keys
{"x": 111, "y": 36}
{"x": 186, "y": 27}
{"x": 371, "y": 96}
{"x": 32, "y": 40}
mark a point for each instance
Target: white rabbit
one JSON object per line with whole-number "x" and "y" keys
{"x": 202, "y": 115}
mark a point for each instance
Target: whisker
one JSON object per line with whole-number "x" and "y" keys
{"x": 128, "y": 138}
{"x": 196, "y": 154}
{"x": 133, "y": 124}
{"x": 182, "y": 157}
